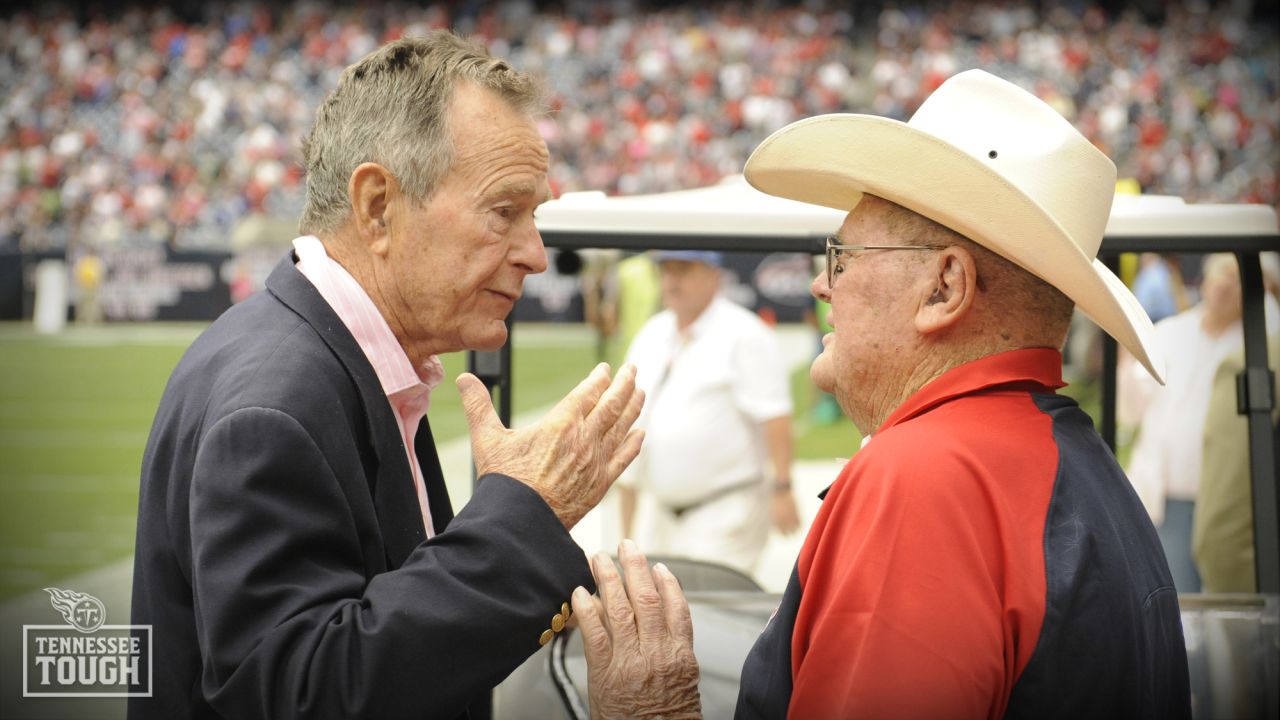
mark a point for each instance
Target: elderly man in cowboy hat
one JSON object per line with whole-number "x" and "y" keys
{"x": 983, "y": 554}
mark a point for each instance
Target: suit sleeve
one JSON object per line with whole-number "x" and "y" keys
{"x": 290, "y": 627}
{"x": 899, "y": 617}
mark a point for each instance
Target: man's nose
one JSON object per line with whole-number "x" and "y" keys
{"x": 528, "y": 252}
{"x": 819, "y": 288}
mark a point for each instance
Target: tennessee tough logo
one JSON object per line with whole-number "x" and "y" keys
{"x": 84, "y": 612}
{"x": 85, "y": 657}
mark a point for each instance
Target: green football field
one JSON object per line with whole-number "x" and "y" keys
{"x": 75, "y": 410}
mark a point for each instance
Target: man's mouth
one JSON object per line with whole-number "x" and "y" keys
{"x": 510, "y": 297}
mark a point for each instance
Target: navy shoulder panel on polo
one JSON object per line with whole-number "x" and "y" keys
{"x": 765, "y": 682}
{"x": 1111, "y": 644}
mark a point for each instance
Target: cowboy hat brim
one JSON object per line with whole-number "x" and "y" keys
{"x": 830, "y": 160}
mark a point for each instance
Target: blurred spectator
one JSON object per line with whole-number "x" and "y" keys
{"x": 1222, "y": 531}
{"x": 88, "y": 280}
{"x": 1159, "y": 287}
{"x": 153, "y": 127}
{"x": 1165, "y": 466}
{"x": 630, "y": 298}
{"x": 716, "y": 461}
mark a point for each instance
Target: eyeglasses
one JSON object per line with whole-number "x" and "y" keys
{"x": 836, "y": 251}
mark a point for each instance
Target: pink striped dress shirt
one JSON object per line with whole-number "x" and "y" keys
{"x": 408, "y": 390}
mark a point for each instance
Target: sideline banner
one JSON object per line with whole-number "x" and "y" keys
{"x": 775, "y": 285}
{"x": 159, "y": 283}
{"x": 126, "y": 283}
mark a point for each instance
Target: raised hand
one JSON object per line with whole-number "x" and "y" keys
{"x": 638, "y": 641}
{"x": 572, "y": 455}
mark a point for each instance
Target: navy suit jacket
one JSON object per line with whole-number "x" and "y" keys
{"x": 281, "y": 555}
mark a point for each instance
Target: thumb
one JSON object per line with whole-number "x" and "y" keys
{"x": 477, "y": 404}
{"x": 593, "y": 624}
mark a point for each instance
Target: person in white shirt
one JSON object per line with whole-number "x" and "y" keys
{"x": 716, "y": 459}
{"x": 1165, "y": 465}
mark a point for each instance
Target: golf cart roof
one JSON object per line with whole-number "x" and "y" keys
{"x": 732, "y": 208}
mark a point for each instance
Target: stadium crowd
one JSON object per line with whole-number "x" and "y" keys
{"x": 165, "y": 126}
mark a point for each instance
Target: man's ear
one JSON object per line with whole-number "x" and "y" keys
{"x": 951, "y": 292}
{"x": 370, "y": 189}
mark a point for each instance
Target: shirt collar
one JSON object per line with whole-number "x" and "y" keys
{"x": 361, "y": 317}
{"x": 1038, "y": 367}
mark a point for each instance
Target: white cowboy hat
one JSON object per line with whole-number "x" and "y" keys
{"x": 987, "y": 159}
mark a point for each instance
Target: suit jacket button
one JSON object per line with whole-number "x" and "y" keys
{"x": 557, "y": 622}
{"x": 546, "y": 637}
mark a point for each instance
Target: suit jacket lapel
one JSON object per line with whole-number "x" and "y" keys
{"x": 391, "y": 484}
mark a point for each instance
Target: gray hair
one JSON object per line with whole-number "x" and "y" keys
{"x": 391, "y": 108}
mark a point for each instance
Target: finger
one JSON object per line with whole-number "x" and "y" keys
{"x": 674, "y": 605}
{"x": 595, "y": 633}
{"x": 613, "y": 598}
{"x": 477, "y": 405}
{"x": 646, "y": 604}
{"x": 622, "y": 425}
{"x": 586, "y": 394}
{"x": 615, "y": 400}
{"x": 625, "y": 454}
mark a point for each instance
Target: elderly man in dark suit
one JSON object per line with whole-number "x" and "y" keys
{"x": 297, "y": 554}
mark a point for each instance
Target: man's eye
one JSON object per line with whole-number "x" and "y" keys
{"x": 504, "y": 212}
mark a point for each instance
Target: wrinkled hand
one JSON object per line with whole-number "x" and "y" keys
{"x": 785, "y": 516}
{"x": 638, "y": 641}
{"x": 572, "y": 455}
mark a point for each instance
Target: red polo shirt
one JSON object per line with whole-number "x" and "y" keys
{"x": 983, "y": 554}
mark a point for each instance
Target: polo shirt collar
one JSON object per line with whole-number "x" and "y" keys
{"x": 1035, "y": 369}
{"x": 1040, "y": 368}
